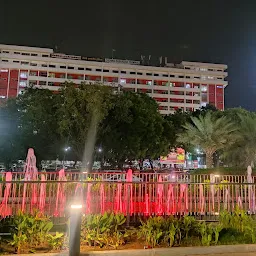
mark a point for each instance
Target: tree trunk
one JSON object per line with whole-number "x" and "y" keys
{"x": 209, "y": 160}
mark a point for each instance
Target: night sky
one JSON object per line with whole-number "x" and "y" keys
{"x": 219, "y": 31}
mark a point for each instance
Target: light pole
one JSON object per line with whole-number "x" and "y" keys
{"x": 100, "y": 150}
{"x": 65, "y": 152}
{"x": 75, "y": 229}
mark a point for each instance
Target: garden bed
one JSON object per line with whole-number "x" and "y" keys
{"x": 32, "y": 233}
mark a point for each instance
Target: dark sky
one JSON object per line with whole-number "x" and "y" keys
{"x": 220, "y": 31}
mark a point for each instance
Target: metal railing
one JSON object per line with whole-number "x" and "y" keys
{"x": 137, "y": 177}
{"x": 143, "y": 198}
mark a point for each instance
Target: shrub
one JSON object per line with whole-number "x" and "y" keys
{"x": 104, "y": 230}
{"x": 240, "y": 222}
{"x": 30, "y": 231}
{"x": 55, "y": 241}
{"x": 157, "y": 230}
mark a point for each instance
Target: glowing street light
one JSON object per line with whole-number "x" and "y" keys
{"x": 100, "y": 150}
{"x": 67, "y": 149}
{"x": 76, "y": 206}
{"x": 75, "y": 228}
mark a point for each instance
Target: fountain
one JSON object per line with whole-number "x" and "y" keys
{"x": 31, "y": 174}
{"x": 5, "y": 209}
{"x": 160, "y": 191}
{"x": 61, "y": 198}
{"x": 251, "y": 194}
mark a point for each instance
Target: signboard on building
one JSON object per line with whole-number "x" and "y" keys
{"x": 131, "y": 62}
{"x": 65, "y": 56}
{"x": 176, "y": 156}
{"x": 92, "y": 59}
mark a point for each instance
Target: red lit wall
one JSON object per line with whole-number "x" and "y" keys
{"x": 13, "y": 84}
{"x": 219, "y": 97}
{"x": 4, "y": 73}
{"x": 178, "y": 84}
{"x": 112, "y": 79}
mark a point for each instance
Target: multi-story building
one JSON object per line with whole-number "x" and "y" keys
{"x": 188, "y": 85}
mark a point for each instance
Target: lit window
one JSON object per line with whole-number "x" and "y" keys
{"x": 23, "y": 83}
{"x": 203, "y": 104}
{"x": 203, "y": 77}
{"x": 4, "y": 70}
{"x": 172, "y": 84}
{"x": 149, "y": 82}
{"x": 188, "y": 86}
{"x": 2, "y": 97}
{"x": 122, "y": 81}
{"x": 23, "y": 74}
{"x": 210, "y": 77}
{"x": 203, "y": 69}
{"x": 219, "y": 86}
{"x": 204, "y": 88}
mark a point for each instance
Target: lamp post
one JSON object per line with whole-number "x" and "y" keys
{"x": 75, "y": 229}
{"x": 66, "y": 151}
{"x": 100, "y": 151}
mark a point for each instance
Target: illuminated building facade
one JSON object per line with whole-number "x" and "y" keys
{"x": 188, "y": 85}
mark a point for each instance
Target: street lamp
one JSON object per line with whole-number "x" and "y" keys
{"x": 75, "y": 228}
{"x": 67, "y": 149}
{"x": 100, "y": 150}
{"x": 64, "y": 159}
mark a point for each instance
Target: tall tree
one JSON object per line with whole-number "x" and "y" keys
{"x": 81, "y": 109}
{"x": 134, "y": 129}
{"x": 37, "y": 122}
{"x": 176, "y": 121}
{"x": 243, "y": 152}
{"x": 210, "y": 133}
{"x": 10, "y": 144}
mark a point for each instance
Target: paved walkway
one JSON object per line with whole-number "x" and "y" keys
{"x": 226, "y": 254}
{"x": 223, "y": 250}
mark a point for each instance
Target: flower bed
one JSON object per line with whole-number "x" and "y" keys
{"x": 30, "y": 233}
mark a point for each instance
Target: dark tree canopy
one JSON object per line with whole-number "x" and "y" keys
{"x": 126, "y": 125}
{"x": 134, "y": 129}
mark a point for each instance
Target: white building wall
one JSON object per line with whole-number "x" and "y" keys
{"x": 189, "y": 73}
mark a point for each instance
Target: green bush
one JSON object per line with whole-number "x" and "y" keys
{"x": 31, "y": 231}
{"x": 55, "y": 241}
{"x": 171, "y": 231}
{"x": 240, "y": 222}
{"x": 221, "y": 171}
{"x": 104, "y": 230}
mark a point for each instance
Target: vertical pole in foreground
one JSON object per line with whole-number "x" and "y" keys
{"x": 75, "y": 229}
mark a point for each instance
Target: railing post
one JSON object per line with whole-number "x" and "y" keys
{"x": 128, "y": 205}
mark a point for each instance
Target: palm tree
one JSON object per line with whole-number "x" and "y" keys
{"x": 210, "y": 133}
{"x": 243, "y": 152}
